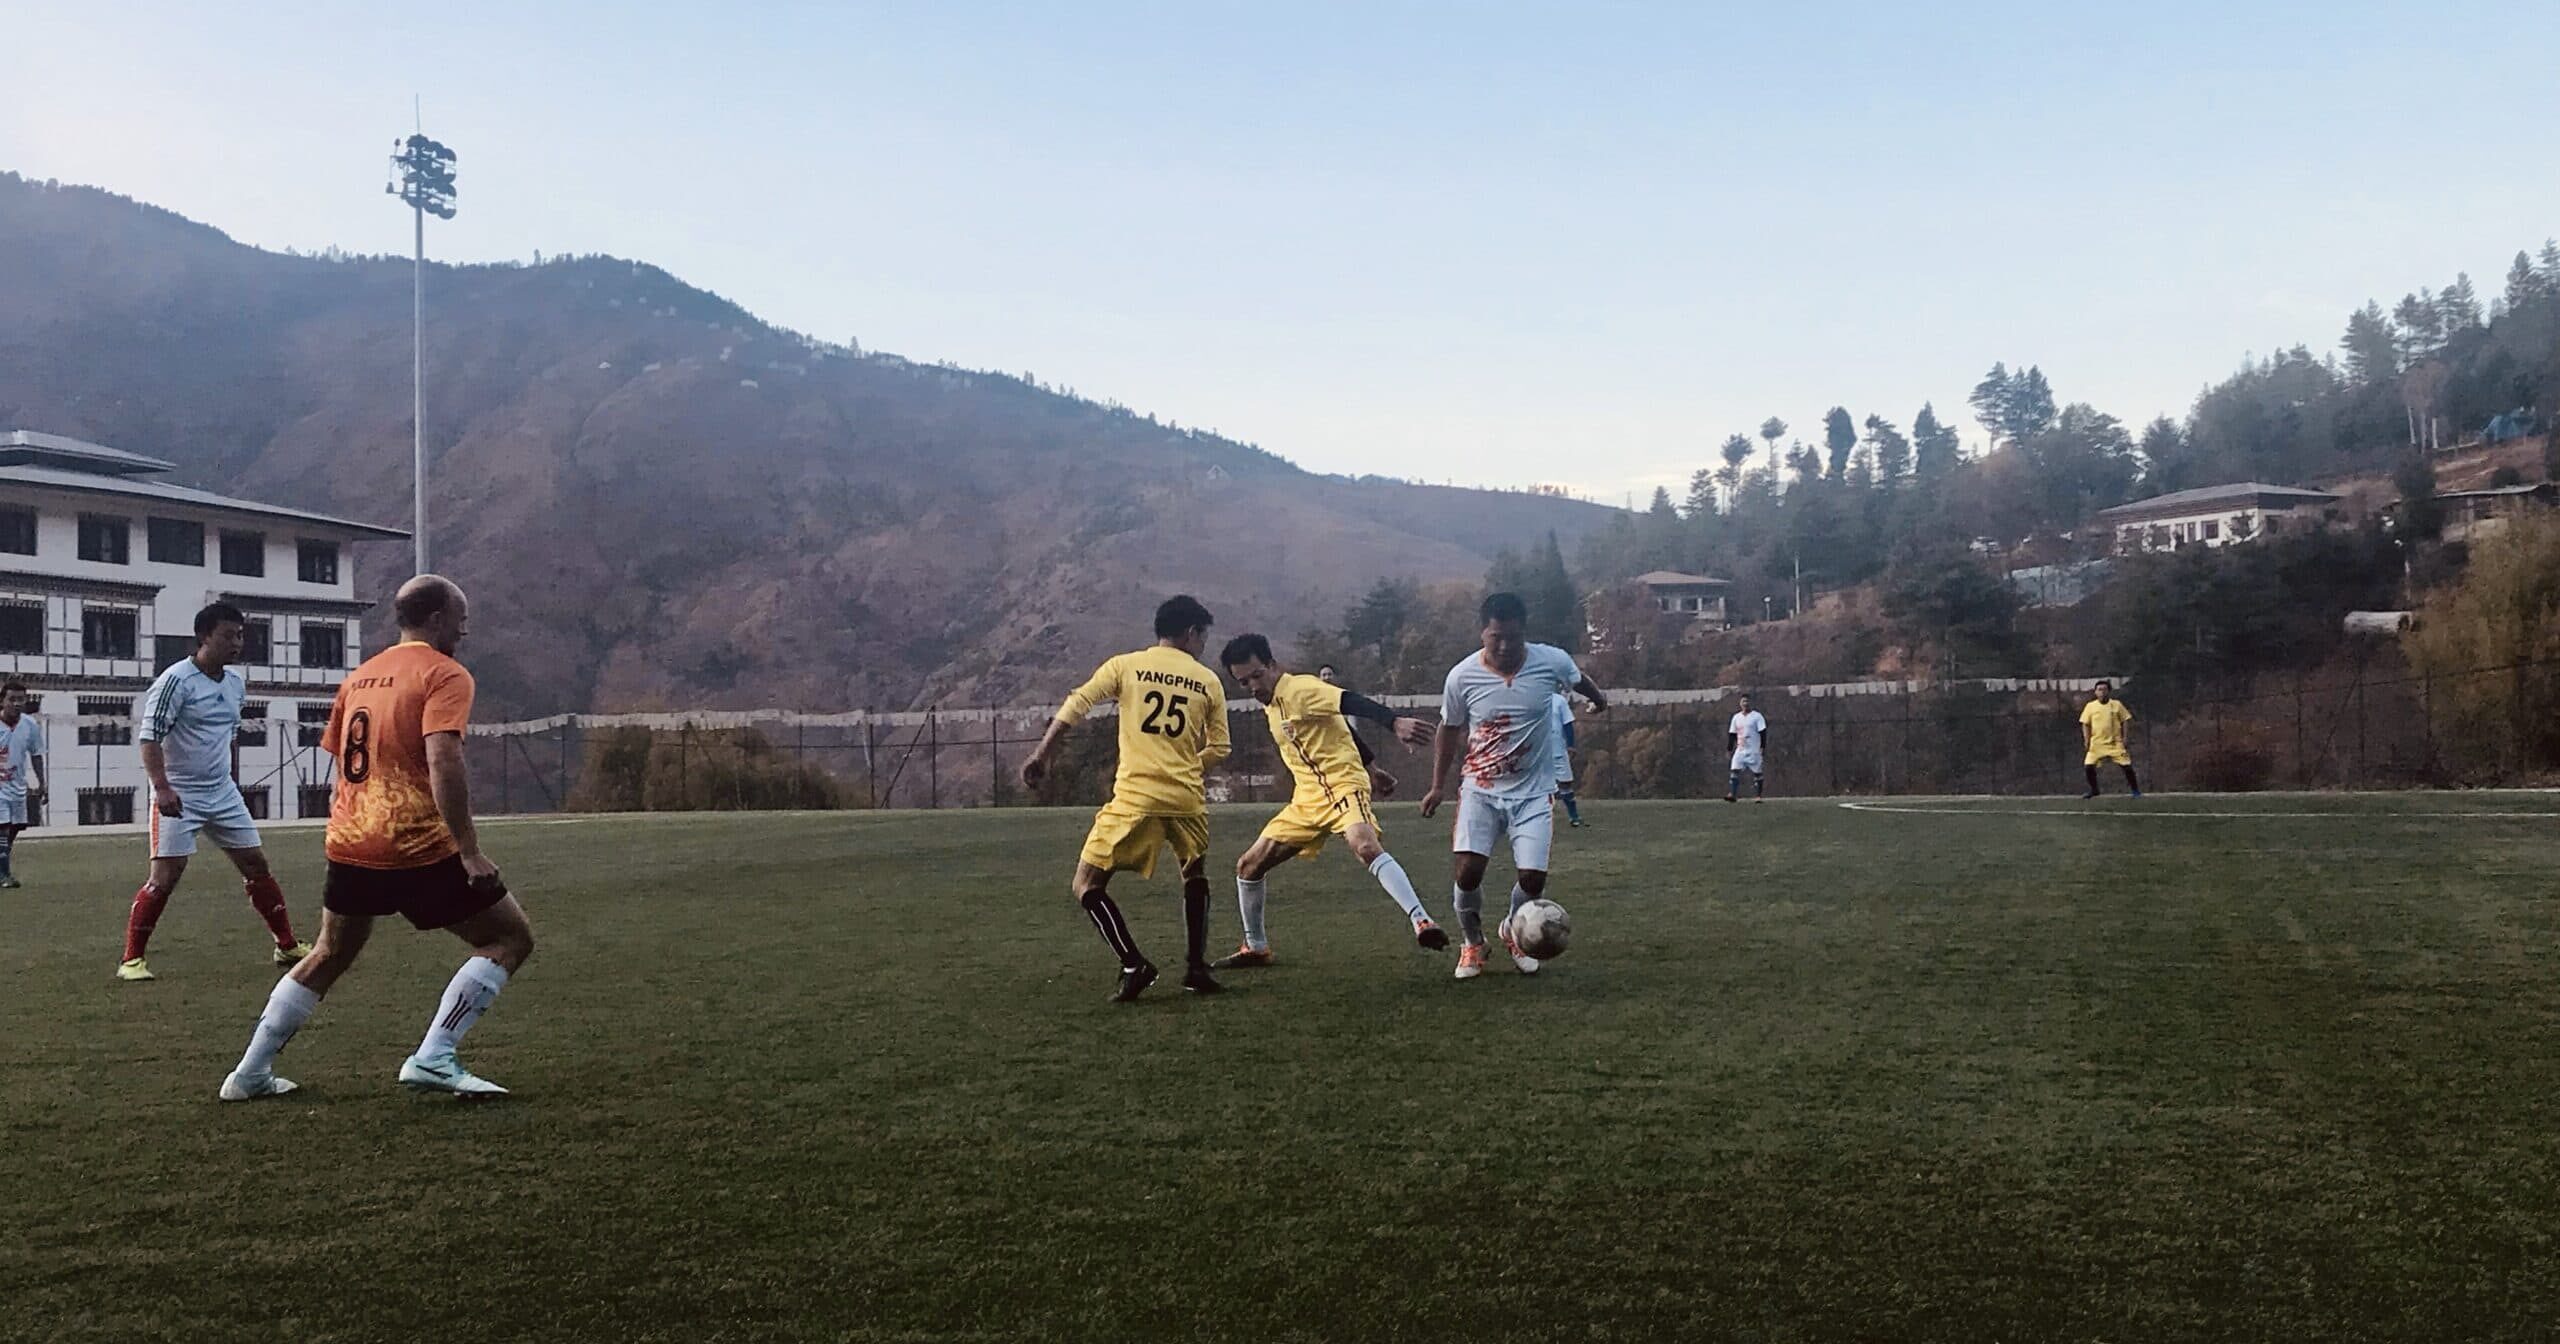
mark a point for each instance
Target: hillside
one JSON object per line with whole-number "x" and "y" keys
{"x": 658, "y": 500}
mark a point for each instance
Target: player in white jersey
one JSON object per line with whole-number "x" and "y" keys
{"x": 189, "y": 730}
{"x": 1497, "y": 707}
{"x": 1745, "y": 735}
{"x": 21, "y": 773}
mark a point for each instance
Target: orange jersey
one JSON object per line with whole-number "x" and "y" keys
{"x": 384, "y": 814}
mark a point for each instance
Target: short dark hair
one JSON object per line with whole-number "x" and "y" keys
{"x": 419, "y": 605}
{"x": 2102, "y": 681}
{"x": 1245, "y": 648}
{"x": 12, "y": 684}
{"x": 1180, "y": 615}
{"x": 1322, "y": 668}
{"x": 214, "y": 614}
{"x": 1503, "y": 607}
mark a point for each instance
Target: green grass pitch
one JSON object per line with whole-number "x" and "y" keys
{"x": 1984, "y": 1071}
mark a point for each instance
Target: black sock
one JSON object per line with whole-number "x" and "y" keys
{"x": 2093, "y": 779}
{"x": 1195, "y": 921}
{"x": 2130, "y": 782}
{"x": 1105, "y": 914}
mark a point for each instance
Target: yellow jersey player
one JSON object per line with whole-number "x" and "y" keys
{"x": 1173, "y": 727}
{"x": 1310, "y": 724}
{"x": 2102, "y": 722}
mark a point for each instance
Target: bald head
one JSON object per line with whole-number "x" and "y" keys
{"x": 431, "y": 609}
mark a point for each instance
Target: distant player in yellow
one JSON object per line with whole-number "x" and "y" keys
{"x": 1311, "y": 725}
{"x": 1173, "y": 727}
{"x": 2102, "y": 722}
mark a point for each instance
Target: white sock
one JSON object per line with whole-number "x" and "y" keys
{"x": 1518, "y": 898}
{"x": 1250, "y": 894}
{"x": 473, "y": 988}
{"x": 288, "y": 1007}
{"x": 1390, "y": 874}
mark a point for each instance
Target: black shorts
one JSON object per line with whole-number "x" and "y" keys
{"x": 437, "y": 896}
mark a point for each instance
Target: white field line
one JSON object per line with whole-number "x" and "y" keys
{"x": 2118, "y": 806}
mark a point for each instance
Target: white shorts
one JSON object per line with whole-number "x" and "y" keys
{"x": 1746, "y": 762}
{"x": 13, "y": 811}
{"x": 223, "y": 818}
{"x": 1484, "y": 819}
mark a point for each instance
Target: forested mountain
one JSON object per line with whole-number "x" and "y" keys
{"x": 660, "y": 501}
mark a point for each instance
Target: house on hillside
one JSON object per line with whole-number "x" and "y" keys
{"x": 1695, "y": 596}
{"x": 102, "y": 569}
{"x": 1693, "y": 603}
{"x": 2470, "y": 515}
{"x": 2217, "y": 515}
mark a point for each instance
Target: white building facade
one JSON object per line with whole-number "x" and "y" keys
{"x": 2217, "y": 515}
{"x": 103, "y": 566}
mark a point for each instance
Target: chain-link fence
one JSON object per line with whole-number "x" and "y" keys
{"x": 2372, "y": 722}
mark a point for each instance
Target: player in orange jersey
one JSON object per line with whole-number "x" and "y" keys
{"x": 401, "y": 842}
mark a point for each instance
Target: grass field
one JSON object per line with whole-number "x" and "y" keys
{"x": 1985, "y": 1071}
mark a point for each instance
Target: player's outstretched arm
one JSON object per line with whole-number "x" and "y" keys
{"x": 1590, "y": 690}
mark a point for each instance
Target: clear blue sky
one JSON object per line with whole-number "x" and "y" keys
{"x": 1491, "y": 243}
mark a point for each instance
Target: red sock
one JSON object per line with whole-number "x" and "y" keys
{"x": 268, "y": 898}
{"x": 147, "y": 904}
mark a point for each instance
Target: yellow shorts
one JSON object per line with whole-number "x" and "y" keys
{"x": 1305, "y": 822}
{"x": 2116, "y": 754}
{"x": 1125, "y": 840}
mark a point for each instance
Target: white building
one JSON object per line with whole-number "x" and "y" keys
{"x": 102, "y": 569}
{"x": 2217, "y": 515}
{"x": 1694, "y": 596}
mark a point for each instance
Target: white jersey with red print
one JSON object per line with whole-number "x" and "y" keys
{"x": 1512, "y": 738}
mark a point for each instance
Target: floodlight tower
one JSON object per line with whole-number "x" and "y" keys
{"x": 422, "y": 176}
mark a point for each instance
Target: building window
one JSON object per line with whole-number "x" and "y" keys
{"x": 106, "y": 807}
{"x": 253, "y": 723}
{"x": 324, "y": 645}
{"x": 171, "y": 650}
{"x": 104, "y": 539}
{"x": 310, "y": 722}
{"x": 2273, "y": 524}
{"x": 257, "y": 642}
{"x": 22, "y": 627}
{"x": 2213, "y": 531}
{"x": 18, "y": 531}
{"x": 174, "y": 541}
{"x": 314, "y": 800}
{"x": 107, "y": 632}
{"x": 106, "y": 734}
{"x": 255, "y": 795}
{"x": 317, "y": 561}
{"x": 244, "y": 553}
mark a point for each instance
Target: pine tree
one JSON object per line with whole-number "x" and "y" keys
{"x": 2031, "y": 409}
{"x": 1990, "y": 402}
{"x": 1840, "y": 436}
{"x": 1773, "y": 429}
{"x": 1892, "y": 451}
{"x": 1702, "y": 493}
{"x": 1935, "y": 449}
{"x": 2458, "y": 307}
{"x": 2373, "y": 355}
{"x": 1736, "y": 451}
{"x": 1555, "y": 609}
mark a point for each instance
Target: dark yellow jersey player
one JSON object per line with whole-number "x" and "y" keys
{"x": 1173, "y": 727}
{"x": 1311, "y": 725}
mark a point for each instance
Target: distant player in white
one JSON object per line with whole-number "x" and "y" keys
{"x": 1498, "y": 708}
{"x": 1564, "y": 759}
{"x": 189, "y": 726}
{"x": 21, "y": 773}
{"x": 1745, "y": 736}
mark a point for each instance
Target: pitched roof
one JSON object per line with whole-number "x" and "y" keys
{"x": 2214, "y": 496}
{"x": 129, "y": 487}
{"x": 26, "y": 446}
{"x": 1661, "y": 578}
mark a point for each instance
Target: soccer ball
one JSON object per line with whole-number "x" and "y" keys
{"x": 1541, "y": 929}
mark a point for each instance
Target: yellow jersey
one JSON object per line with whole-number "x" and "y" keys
{"x": 1173, "y": 727}
{"x": 1314, "y": 738}
{"x": 2105, "y": 720}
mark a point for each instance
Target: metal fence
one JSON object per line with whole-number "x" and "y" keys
{"x": 2367, "y": 723}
